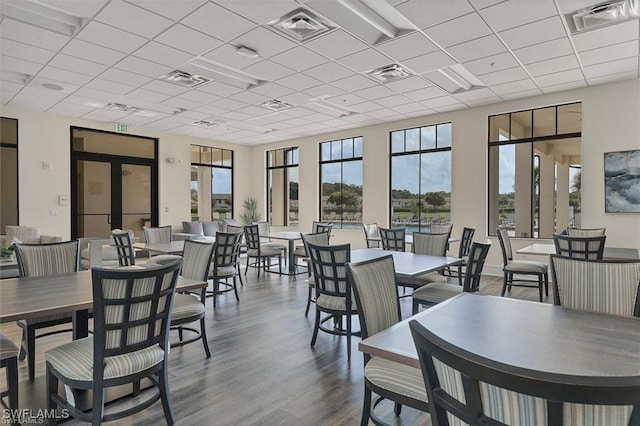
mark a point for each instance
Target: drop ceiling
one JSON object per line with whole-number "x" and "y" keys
{"x": 119, "y": 49}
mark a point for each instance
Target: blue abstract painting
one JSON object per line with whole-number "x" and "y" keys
{"x": 622, "y": 182}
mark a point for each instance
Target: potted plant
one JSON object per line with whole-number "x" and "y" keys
{"x": 250, "y": 214}
{"x": 6, "y": 252}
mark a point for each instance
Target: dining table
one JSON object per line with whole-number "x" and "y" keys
{"x": 541, "y": 341}
{"x": 168, "y": 247}
{"x": 545, "y": 249}
{"x": 291, "y": 237}
{"x": 408, "y": 239}
{"x": 406, "y": 264}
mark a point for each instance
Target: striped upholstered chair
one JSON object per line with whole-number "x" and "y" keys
{"x": 430, "y": 244}
{"x": 376, "y": 295}
{"x": 161, "y": 234}
{"x": 225, "y": 264}
{"x": 584, "y": 232}
{"x": 124, "y": 245}
{"x": 392, "y": 238}
{"x": 321, "y": 239}
{"x": 131, "y": 311}
{"x": 474, "y": 390}
{"x": 37, "y": 260}
{"x": 9, "y": 360}
{"x": 605, "y": 286}
{"x": 434, "y": 293}
{"x": 583, "y": 247}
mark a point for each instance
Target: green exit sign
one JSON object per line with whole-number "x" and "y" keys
{"x": 121, "y": 128}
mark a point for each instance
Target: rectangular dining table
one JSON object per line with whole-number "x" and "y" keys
{"x": 406, "y": 263}
{"x": 169, "y": 247}
{"x": 291, "y": 238}
{"x": 545, "y": 249}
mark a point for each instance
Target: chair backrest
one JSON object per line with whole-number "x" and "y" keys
{"x": 124, "y": 246}
{"x": 465, "y": 241}
{"x": 131, "y": 310}
{"x": 581, "y": 247}
{"x": 322, "y": 227}
{"x": 505, "y": 245}
{"x": 252, "y": 237}
{"x": 376, "y": 294}
{"x": 605, "y": 286}
{"x": 227, "y": 249}
{"x": 37, "y": 260}
{"x": 263, "y": 227}
{"x": 24, "y": 234}
{"x": 464, "y": 388}
{"x": 431, "y": 244}
{"x": 196, "y": 259}
{"x": 318, "y": 238}
{"x": 583, "y": 232}
{"x": 371, "y": 234}
{"x": 436, "y": 228}
{"x": 329, "y": 269}
{"x": 161, "y": 234}
{"x": 477, "y": 256}
{"x": 392, "y": 239}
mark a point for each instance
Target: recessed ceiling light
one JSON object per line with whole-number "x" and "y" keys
{"x": 276, "y": 105}
{"x": 334, "y": 109}
{"x": 52, "y": 86}
{"x": 302, "y": 25}
{"x": 221, "y": 73}
{"x": 247, "y": 52}
{"x": 454, "y": 79}
{"x": 40, "y": 14}
{"x": 184, "y": 78}
{"x": 390, "y": 73}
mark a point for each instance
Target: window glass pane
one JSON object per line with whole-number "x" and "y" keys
{"x": 331, "y": 196}
{"x": 270, "y": 158}
{"x": 435, "y": 183}
{"x": 326, "y": 151}
{"x": 397, "y": 141}
{"x": 521, "y": 125}
{"x": 347, "y": 148}
{"x": 9, "y": 131}
{"x": 295, "y": 156}
{"x": 544, "y": 121}
{"x": 227, "y": 158}
{"x": 221, "y": 196}
{"x": 405, "y": 179}
{"x": 428, "y": 137}
{"x": 195, "y": 154}
{"x": 498, "y": 126}
{"x": 205, "y": 155}
{"x": 570, "y": 118}
{"x": 357, "y": 147}
{"x": 293, "y": 181}
{"x": 216, "y": 157}
{"x": 444, "y": 135}
{"x": 112, "y": 143}
{"x": 351, "y": 193}
{"x": 9, "y": 188}
{"x": 194, "y": 191}
{"x": 412, "y": 139}
{"x": 336, "y": 150}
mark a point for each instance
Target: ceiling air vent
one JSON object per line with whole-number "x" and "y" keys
{"x": 603, "y": 14}
{"x": 121, "y": 107}
{"x": 276, "y": 105}
{"x": 184, "y": 79}
{"x": 207, "y": 124}
{"x": 302, "y": 25}
{"x": 390, "y": 73}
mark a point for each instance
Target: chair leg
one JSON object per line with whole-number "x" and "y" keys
{"x": 203, "y": 334}
{"x": 306, "y": 311}
{"x": 23, "y": 346}
{"x": 540, "y": 285}
{"x": 136, "y": 387}
{"x": 504, "y": 284}
{"x": 246, "y": 268}
{"x": 240, "y": 276}
{"x": 316, "y": 327}
{"x": 12, "y": 382}
{"x": 163, "y": 382}
{"x": 98, "y": 404}
{"x": 397, "y": 408}
{"x": 216, "y": 288}
{"x": 366, "y": 406}
{"x": 546, "y": 284}
{"x": 180, "y": 337}
{"x": 31, "y": 352}
{"x": 235, "y": 289}
{"x": 460, "y": 274}
{"x": 280, "y": 263}
{"x": 348, "y": 337}
{"x": 52, "y": 389}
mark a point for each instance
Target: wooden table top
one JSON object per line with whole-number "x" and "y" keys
{"x": 535, "y": 339}
{"x": 22, "y": 298}
{"x": 406, "y": 263}
{"x": 545, "y": 249}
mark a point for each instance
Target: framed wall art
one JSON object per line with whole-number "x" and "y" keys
{"x": 622, "y": 182}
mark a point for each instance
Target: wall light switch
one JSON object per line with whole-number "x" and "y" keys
{"x": 63, "y": 200}
{"x": 47, "y": 165}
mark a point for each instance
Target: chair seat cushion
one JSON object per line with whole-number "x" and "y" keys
{"x": 224, "y": 272}
{"x": 7, "y": 348}
{"x": 45, "y": 319}
{"x": 163, "y": 259}
{"x": 395, "y": 377}
{"x": 269, "y": 244}
{"x": 335, "y": 303}
{"x": 526, "y": 266}
{"x": 436, "y": 292}
{"x": 74, "y": 360}
{"x": 264, "y": 251}
{"x": 186, "y": 306}
{"x": 300, "y": 252}
{"x": 421, "y": 280}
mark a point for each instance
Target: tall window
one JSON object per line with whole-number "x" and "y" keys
{"x": 282, "y": 186}
{"x": 341, "y": 182}
{"x": 8, "y": 172}
{"x": 421, "y": 176}
{"x": 534, "y": 170}
{"x": 211, "y": 183}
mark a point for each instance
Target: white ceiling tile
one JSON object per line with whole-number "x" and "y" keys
{"x": 92, "y": 52}
{"x": 409, "y": 46}
{"x": 365, "y": 60}
{"x": 227, "y": 56}
{"x": 198, "y": 96}
{"x": 564, "y": 86}
{"x": 299, "y": 82}
{"x": 168, "y": 89}
{"x": 84, "y": 9}
{"x": 234, "y": 115}
{"x": 426, "y": 93}
{"x": 148, "y": 95}
{"x": 536, "y": 32}
{"x": 383, "y": 113}
{"x": 491, "y": 64}
{"x": 29, "y": 101}
{"x": 429, "y": 62}
{"x": 459, "y": 30}
{"x": 408, "y": 84}
{"x": 481, "y": 4}
{"x": 268, "y": 70}
{"x": 265, "y": 42}
{"x": 174, "y": 10}
{"x": 178, "y": 103}
{"x": 409, "y": 108}
{"x": 228, "y": 104}
{"x": 18, "y": 65}
{"x": 504, "y": 76}
{"x": 218, "y": 89}
{"x": 330, "y": 71}
{"x": 69, "y": 107}
{"x": 162, "y": 54}
{"x": 514, "y": 13}
{"x": 609, "y": 53}
{"x": 76, "y": 64}
{"x": 36, "y": 88}
{"x": 607, "y": 36}
{"x": 218, "y": 22}
{"x": 124, "y": 77}
{"x": 629, "y": 75}
{"x": 104, "y": 35}
{"x": 473, "y": 95}
{"x": 613, "y": 67}
{"x": 104, "y": 115}
{"x": 188, "y": 40}
{"x": 562, "y": 63}
{"x": 212, "y": 110}
{"x": 296, "y": 98}
{"x": 423, "y": 15}
{"x": 366, "y": 107}
{"x": 513, "y": 87}
{"x": 142, "y": 66}
{"x": 521, "y": 95}
{"x": 346, "y": 100}
{"x": 254, "y": 111}
{"x": 484, "y": 101}
{"x": 98, "y": 96}
{"x": 248, "y": 97}
{"x": 132, "y": 19}
{"x": 336, "y": 44}
{"x": 375, "y": 92}
{"x": 25, "y": 51}
{"x": 261, "y": 11}
{"x": 109, "y": 86}
{"x": 64, "y": 75}
{"x": 300, "y": 58}
{"x": 542, "y": 51}
{"x": 478, "y": 48}
{"x": 394, "y": 100}
{"x": 353, "y": 83}
{"x": 272, "y": 90}
{"x": 34, "y": 36}
{"x": 559, "y": 78}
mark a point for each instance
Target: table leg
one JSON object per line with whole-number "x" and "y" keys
{"x": 80, "y": 324}
{"x": 292, "y": 258}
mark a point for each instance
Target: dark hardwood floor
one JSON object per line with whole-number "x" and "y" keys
{"x": 262, "y": 369}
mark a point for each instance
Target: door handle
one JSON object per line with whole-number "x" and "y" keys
{"x": 109, "y": 218}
